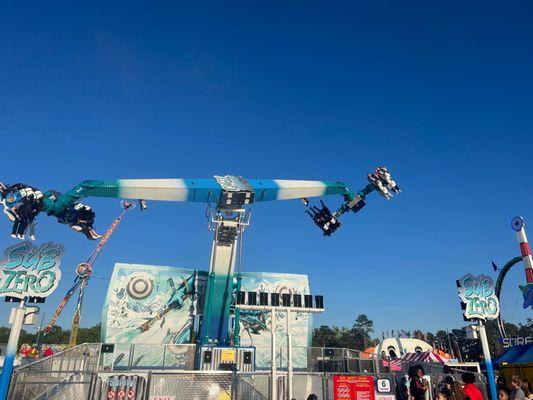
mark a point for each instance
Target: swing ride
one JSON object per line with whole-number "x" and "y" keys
{"x": 83, "y": 274}
{"x": 231, "y": 195}
{"x": 518, "y": 226}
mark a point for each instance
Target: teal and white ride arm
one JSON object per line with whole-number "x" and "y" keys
{"x": 224, "y": 191}
{"x": 227, "y": 192}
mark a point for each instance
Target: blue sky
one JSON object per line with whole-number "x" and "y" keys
{"x": 441, "y": 92}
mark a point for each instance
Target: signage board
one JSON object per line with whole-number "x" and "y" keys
{"x": 385, "y": 397}
{"x": 478, "y": 297}
{"x": 384, "y": 386}
{"x": 227, "y": 356}
{"x": 125, "y": 387}
{"x": 516, "y": 341}
{"x": 352, "y": 387}
{"x": 28, "y": 270}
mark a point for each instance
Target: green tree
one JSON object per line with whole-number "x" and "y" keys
{"x": 418, "y": 334}
{"x": 89, "y": 335}
{"x": 441, "y": 340}
{"x": 325, "y": 337}
{"x": 57, "y": 336}
{"x": 525, "y": 330}
{"x": 361, "y": 330}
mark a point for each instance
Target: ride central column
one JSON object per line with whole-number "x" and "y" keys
{"x": 228, "y": 225}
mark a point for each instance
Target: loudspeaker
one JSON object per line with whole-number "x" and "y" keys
{"x": 247, "y": 357}
{"x": 241, "y": 298}
{"x": 207, "y": 356}
{"x": 274, "y": 299}
{"x": 308, "y": 301}
{"x": 107, "y": 348}
{"x": 252, "y": 298}
{"x": 319, "y": 302}
{"x": 11, "y": 299}
{"x": 297, "y": 300}
{"x": 286, "y": 299}
{"x": 263, "y": 299}
{"x": 34, "y": 299}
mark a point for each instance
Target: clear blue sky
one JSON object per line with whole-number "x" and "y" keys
{"x": 441, "y": 92}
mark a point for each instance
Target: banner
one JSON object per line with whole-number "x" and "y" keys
{"x": 27, "y": 270}
{"x": 351, "y": 387}
{"x": 516, "y": 341}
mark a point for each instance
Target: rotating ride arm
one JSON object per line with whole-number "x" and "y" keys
{"x": 227, "y": 192}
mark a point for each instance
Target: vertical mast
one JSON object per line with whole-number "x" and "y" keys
{"x": 525, "y": 250}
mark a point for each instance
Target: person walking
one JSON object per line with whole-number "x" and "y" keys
{"x": 517, "y": 393}
{"x": 418, "y": 385}
{"x": 470, "y": 389}
{"x": 503, "y": 394}
{"x": 526, "y": 387}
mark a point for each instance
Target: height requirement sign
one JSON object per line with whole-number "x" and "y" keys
{"x": 478, "y": 297}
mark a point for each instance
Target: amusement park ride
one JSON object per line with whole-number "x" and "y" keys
{"x": 518, "y": 226}
{"x": 232, "y": 196}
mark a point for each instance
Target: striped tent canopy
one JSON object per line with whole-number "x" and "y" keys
{"x": 412, "y": 358}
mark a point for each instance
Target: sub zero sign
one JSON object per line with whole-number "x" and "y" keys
{"x": 139, "y": 287}
{"x": 125, "y": 387}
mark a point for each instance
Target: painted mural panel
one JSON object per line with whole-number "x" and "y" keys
{"x": 255, "y": 325}
{"x": 150, "y": 305}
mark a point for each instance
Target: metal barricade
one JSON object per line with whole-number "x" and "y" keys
{"x": 43, "y": 385}
{"x": 304, "y": 384}
{"x": 70, "y": 368}
{"x": 212, "y": 385}
{"x": 128, "y": 357}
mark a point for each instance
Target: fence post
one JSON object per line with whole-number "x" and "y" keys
{"x": 234, "y": 386}
{"x": 13, "y": 384}
{"x": 325, "y": 383}
{"x": 148, "y": 382}
{"x": 91, "y": 387}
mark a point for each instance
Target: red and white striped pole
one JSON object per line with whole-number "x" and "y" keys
{"x": 518, "y": 225}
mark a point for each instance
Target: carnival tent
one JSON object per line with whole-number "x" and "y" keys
{"x": 413, "y": 358}
{"x": 516, "y": 355}
{"x": 526, "y": 357}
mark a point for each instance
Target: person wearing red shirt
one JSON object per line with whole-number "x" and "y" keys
{"x": 48, "y": 352}
{"x": 470, "y": 389}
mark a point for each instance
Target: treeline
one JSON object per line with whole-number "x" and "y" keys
{"x": 453, "y": 342}
{"x": 57, "y": 335}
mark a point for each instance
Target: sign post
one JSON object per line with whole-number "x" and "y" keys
{"x": 273, "y": 331}
{"x": 479, "y": 302}
{"x": 11, "y": 350}
{"x": 25, "y": 271}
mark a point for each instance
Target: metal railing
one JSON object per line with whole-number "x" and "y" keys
{"x": 81, "y": 373}
{"x": 128, "y": 357}
{"x": 68, "y": 367}
{"x": 205, "y": 385}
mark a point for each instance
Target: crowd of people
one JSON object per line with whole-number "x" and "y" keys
{"x": 466, "y": 389}
{"x": 29, "y": 352}
{"x": 518, "y": 389}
